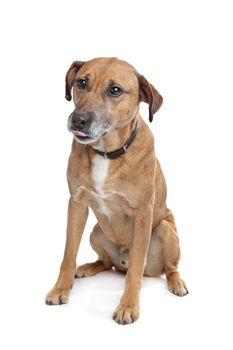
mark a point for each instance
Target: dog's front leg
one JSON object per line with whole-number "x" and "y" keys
{"x": 77, "y": 217}
{"x": 128, "y": 309}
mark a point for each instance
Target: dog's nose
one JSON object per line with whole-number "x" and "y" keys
{"x": 81, "y": 120}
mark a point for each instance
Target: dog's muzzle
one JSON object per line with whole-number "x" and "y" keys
{"x": 86, "y": 127}
{"x": 79, "y": 124}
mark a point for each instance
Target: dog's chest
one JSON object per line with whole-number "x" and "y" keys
{"x": 109, "y": 204}
{"x": 100, "y": 167}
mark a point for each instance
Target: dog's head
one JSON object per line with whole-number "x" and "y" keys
{"x": 106, "y": 95}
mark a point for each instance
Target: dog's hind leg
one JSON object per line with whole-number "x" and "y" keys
{"x": 171, "y": 256}
{"x": 102, "y": 247}
{"x": 164, "y": 255}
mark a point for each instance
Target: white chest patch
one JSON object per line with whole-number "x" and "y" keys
{"x": 99, "y": 174}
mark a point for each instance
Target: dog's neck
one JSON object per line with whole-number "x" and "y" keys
{"x": 116, "y": 138}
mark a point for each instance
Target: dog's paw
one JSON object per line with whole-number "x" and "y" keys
{"x": 85, "y": 270}
{"x": 125, "y": 314}
{"x": 90, "y": 269}
{"x": 57, "y": 296}
{"x": 177, "y": 287}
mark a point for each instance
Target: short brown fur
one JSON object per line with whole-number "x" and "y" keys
{"x": 136, "y": 232}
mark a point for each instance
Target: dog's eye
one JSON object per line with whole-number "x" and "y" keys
{"x": 82, "y": 84}
{"x": 115, "y": 91}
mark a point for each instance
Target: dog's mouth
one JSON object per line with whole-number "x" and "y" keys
{"x": 79, "y": 134}
{"x": 82, "y": 136}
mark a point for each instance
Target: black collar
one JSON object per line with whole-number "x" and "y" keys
{"x": 120, "y": 151}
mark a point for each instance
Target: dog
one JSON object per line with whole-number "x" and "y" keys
{"x": 113, "y": 170}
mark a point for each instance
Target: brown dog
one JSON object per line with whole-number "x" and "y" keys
{"x": 113, "y": 170}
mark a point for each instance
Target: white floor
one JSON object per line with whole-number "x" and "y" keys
{"x": 200, "y": 320}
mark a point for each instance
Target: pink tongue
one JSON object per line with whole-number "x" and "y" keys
{"x": 79, "y": 133}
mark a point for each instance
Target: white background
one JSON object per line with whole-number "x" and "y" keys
{"x": 185, "y": 49}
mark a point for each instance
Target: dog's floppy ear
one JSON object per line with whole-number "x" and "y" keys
{"x": 148, "y": 94}
{"x": 70, "y": 75}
